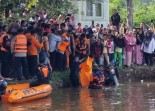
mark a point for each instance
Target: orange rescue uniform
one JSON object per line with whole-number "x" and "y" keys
{"x": 86, "y": 72}
{"x": 20, "y": 45}
{"x": 34, "y": 44}
{"x": 77, "y": 44}
{"x": 44, "y": 70}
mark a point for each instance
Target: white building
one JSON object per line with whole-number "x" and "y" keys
{"x": 89, "y": 12}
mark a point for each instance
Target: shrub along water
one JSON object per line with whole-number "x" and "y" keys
{"x": 60, "y": 79}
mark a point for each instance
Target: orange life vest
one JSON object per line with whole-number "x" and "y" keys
{"x": 63, "y": 45}
{"x": 1, "y": 38}
{"x": 81, "y": 48}
{"x": 20, "y": 44}
{"x": 44, "y": 70}
{"x": 98, "y": 81}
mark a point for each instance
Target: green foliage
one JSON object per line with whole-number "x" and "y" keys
{"x": 143, "y": 12}
{"x": 53, "y": 7}
{"x": 31, "y": 3}
{"x": 120, "y": 5}
{"x": 60, "y": 79}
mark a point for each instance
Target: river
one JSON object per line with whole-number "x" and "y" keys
{"x": 133, "y": 96}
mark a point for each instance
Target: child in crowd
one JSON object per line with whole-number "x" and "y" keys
{"x": 111, "y": 48}
{"x": 105, "y": 50}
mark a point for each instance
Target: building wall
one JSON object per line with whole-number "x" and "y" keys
{"x": 85, "y": 20}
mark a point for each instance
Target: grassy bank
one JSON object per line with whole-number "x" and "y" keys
{"x": 60, "y": 79}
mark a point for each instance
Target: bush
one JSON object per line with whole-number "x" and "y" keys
{"x": 60, "y": 79}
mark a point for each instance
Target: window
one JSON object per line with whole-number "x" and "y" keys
{"x": 94, "y": 9}
{"x": 89, "y": 8}
{"x": 98, "y": 7}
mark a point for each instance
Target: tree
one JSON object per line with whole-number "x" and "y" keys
{"x": 135, "y": 11}
{"x": 52, "y": 7}
{"x": 130, "y": 22}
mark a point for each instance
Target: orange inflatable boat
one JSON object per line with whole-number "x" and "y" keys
{"x": 22, "y": 93}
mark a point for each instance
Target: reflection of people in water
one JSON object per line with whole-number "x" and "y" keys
{"x": 86, "y": 101}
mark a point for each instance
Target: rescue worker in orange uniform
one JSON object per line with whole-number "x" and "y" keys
{"x": 32, "y": 51}
{"x": 86, "y": 71}
{"x": 41, "y": 73}
{"x": 5, "y": 48}
{"x": 62, "y": 47}
{"x": 82, "y": 46}
{"x": 19, "y": 48}
{"x": 98, "y": 77}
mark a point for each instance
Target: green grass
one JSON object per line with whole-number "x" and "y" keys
{"x": 60, "y": 79}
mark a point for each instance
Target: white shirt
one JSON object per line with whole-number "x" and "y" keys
{"x": 111, "y": 49}
{"x": 150, "y": 48}
{"x": 53, "y": 40}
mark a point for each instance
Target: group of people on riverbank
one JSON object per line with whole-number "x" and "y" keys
{"x": 63, "y": 44}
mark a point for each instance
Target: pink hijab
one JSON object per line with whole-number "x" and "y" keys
{"x": 72, "y": 21}
{"x": 129, "y": 37}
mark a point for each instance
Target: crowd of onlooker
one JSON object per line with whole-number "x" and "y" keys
{"x": 58, "y": 42}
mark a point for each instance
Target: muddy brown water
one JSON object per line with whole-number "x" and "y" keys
{"x": 135, "y": 96}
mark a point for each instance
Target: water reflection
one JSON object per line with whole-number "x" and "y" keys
{"x": 126, "y": 97}
{"x": 86, "y": 101}
{"x": 38, "y": 105}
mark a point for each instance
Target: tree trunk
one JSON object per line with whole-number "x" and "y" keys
{"x": 130, "y": 14}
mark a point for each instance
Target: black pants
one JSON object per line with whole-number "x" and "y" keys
{"x": 60, "y": 60}
{"x": 32, "y": 64}
{"x": 71, "y": 59}
{"x": 64, "y": 61}
{"x": 74, "y": 78}
{"x": 148, "y": 58}
{"x": 111, "y": 57}
{"x": 97, "y": 60}
{"x": 80, "y": 55}
{"x": 53, "y": 60}
{"x": 5, "y": 66}
{"x": 39, "y": 82}
{"x": 21, "y": 67}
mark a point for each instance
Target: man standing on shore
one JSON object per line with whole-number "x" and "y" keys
{"x": 115, "y": 18}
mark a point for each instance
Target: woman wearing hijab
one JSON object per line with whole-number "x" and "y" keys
{"x": 129, "y": 47}
{"x": 148, "y": 47}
